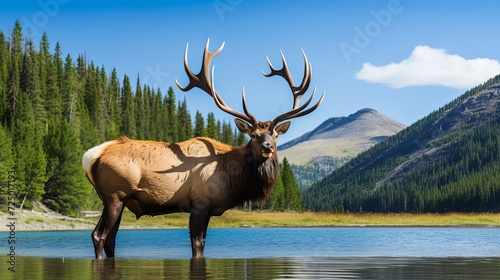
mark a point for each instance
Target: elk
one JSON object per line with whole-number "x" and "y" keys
{"x": 200, "y": 176}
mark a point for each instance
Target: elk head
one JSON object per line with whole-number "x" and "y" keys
{"x": 263, "y": 135}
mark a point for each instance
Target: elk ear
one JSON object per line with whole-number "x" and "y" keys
{"x": 282, "y": 128}
{"x": 243, "y": 126}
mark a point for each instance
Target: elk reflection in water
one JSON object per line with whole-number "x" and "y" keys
{"x": 258, "y": 268}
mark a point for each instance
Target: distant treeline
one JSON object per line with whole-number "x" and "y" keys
{"x": 52, "y": 109}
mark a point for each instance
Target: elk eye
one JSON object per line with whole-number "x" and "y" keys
{"x": 253, "y": 136}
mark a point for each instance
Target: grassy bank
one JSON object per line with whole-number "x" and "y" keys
{"x": 237, "y": 218}
{"x": 29, "y": 220}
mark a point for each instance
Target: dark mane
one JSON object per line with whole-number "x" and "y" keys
{"x": 255, "y": 180}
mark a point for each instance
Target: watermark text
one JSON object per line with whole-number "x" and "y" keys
{"x": 11, "y": 220}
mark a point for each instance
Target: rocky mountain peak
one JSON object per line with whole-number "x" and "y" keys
{"x": 341, "y": 136}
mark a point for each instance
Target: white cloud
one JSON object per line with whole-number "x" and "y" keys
{"x": 427, "y": 66}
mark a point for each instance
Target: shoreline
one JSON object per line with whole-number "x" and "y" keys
{"x": 29, "y": 220}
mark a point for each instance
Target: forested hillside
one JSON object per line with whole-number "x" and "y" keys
{"x": 447, "y": 161}
{"x": 53, "y": 108}
{"x": 317, "y": 169}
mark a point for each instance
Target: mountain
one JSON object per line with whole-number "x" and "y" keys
{"x": 340, "y": 137}
{"x": 447, "y": 161}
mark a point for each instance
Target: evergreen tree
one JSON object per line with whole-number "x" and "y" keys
{"x": 70, "y": 89}
{"x": 81, "y": 67}
{"x": 28, "y": 151}
{"x": 65, "y": 190}
{"x": 4, "y": 75}
{"x": 128, "y": 117}
{"x": 185, "y": 124}
{"x": 30, "y": 83}
{"x": 219, "y": 130}
{"x": 293, "y": 200}
{"x": 52, "y": 86}
{"x": 6, "y": 162}
{"x": 16, "y": 43}
{"x": 241, "y": 138}
{"x": 140, "y": 111}
{"x": 90, "y": 94}
{"x": 199, "y": 125}
{"x": 212, "y": 131}
{"x": 13, "y": 86}
{"x": 58, "y": 65}
{"x": 147, "y": 109}
{"x": 43, "y": 61}
{"x": 158, "y": 119}
{"x": 86, "y": 129}
{"x": 172, "y": 124}
{"x": 114, "y": 110}
{"x": 101, "y": 122}
{"x": 276, "y": 200}
{"x": 165, "y": 120}
{"x": 227, "y": 133}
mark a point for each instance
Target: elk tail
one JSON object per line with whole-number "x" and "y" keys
{"x": 90, "y": 157}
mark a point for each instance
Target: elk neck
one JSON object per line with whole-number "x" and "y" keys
{"x": 255, "y": 180}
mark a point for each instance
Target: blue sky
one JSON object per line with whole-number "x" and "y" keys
{"x": 402, "y": 58}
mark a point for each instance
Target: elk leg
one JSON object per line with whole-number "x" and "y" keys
{"x": 96, "y": 235}
{"x": 109, "y": 245}
{"x": 110, "y": 215}
{"x": 198, "y": 223}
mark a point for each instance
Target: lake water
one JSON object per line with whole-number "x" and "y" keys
{"x": 264, "y": 253}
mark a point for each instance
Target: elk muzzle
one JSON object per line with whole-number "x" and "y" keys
{"x": 266, "y": 149}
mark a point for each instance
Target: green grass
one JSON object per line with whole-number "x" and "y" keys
{"x": 31, "y": 220}
{"x": 238, "y": 218}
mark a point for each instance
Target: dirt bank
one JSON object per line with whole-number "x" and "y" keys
{"x": 29, "y": 220}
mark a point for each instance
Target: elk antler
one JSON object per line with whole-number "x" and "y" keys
{"x": 204, "y": 81}
{"x": 296, "y": 91}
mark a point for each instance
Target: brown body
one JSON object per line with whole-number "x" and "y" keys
{"x": 196, "y": 176}
{"x": 200, "y": 176}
